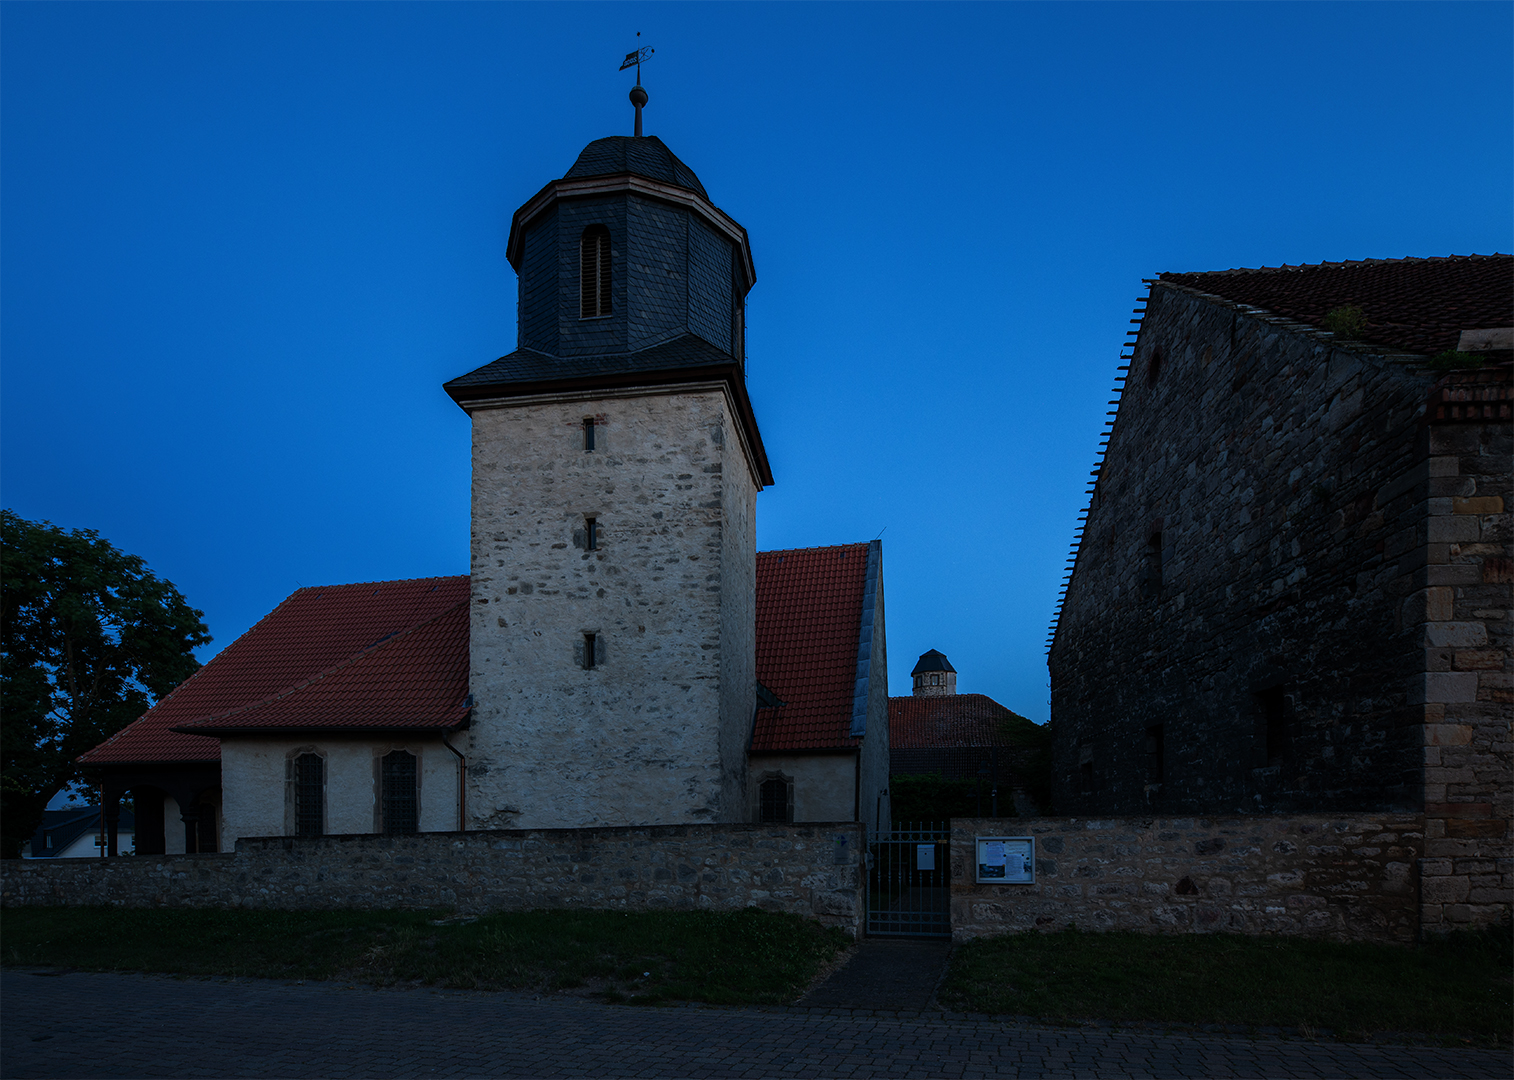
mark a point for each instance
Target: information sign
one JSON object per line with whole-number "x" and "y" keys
{"x": 1006, "y": 860}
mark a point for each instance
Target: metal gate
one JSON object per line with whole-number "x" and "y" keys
{"x": 909, "y": 881}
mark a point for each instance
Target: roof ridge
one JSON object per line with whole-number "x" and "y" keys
{"x": 384, "y": 581}
{"x": 822, "y": 547}
{"x": 188, "y": 726}
{"x": 1338, "y": 263}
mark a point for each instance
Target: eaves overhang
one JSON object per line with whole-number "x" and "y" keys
{"x": 671, "y": 380}
{"x": 220, "y": 731}
{"x": 632, "y": 183}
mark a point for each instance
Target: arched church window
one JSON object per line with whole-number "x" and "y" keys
{"x": 397, "y": 781}
{"x": 309, "y": 795}
{"x": 594, "y": 273}
{"x": 775, "y": 800}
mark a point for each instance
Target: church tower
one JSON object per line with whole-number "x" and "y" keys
{"x": 616, "y": 466}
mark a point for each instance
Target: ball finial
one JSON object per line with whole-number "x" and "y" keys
{"x": 638, "y": 98}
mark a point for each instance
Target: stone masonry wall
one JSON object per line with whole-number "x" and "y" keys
{"x": 649, "y": 733}
{"x": 809, "y": 870}
{"x": 1348, "y": 878}
{"x": 1239, "y": 634}
{"x": 1468, "y": 871}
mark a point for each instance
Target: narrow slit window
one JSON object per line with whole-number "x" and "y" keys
{"x": 1152, "y": 585}
{"x": 588, "y": 433}
{"x": 589, "y": 643}
{"x": 591, "y": 534}
{"x": 594, "y": 273}
{"x": 1154, "y": 754}
{"x": 1273, "y": 703}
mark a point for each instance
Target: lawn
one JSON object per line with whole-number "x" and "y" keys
{"x": 1458, "y": 988}
{"x": 727, "y": 958}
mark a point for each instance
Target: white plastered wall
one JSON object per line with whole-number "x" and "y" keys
{"x": 255, "y": 785}
{"x": 824, "y": 784}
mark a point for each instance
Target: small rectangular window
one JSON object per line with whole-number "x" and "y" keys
{"x": 588, "y": 433}
{"x": 591, "y": 534}
{"x": 1154, "y": 754}
{"x": 589, "y": 643}
{"x": 1085, "y": 777}
{"x": 1273, "y": 705}
{"x": 1152, "y": 585}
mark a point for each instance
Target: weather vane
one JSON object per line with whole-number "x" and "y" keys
{"x": 638, "y": 95}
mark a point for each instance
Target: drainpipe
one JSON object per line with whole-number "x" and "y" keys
{"x": 462, "y": 785}
{"x": 857, "y": 787}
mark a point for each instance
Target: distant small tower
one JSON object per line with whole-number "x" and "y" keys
{"x": 934, "y": 675}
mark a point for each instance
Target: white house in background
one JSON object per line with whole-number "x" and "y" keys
{"x": 73, "y": 832}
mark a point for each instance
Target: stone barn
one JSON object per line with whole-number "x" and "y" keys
{"x": 1292, "y": 588}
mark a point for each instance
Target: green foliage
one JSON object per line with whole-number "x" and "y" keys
{"x": 932, "y": 797}
{"x": 745, "y": 957}
{"x": 1032, "y": 756}
{"x": 1455, "y": 987}
{"x": 1451, "y": 360}
{"x": 1024, "y": 757}
{"x": 89, "y": 639}
{"x": 1348, "y": 322}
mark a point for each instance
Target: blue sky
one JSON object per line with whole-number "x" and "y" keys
{"x": 242, "y": 246}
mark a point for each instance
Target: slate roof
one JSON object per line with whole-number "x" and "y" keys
{"x": 385, "y": 654}
{"x": 809, "y": 624}
{"x": 70, "y": 823}
{"x": 646, "y": 156}
{"x": 927, "y": 723}
{"x": 934, "y": 660}
{"x": 1411, "y": 305}
{"x": 528, "y": 366}
{"x": 682, "y": 359}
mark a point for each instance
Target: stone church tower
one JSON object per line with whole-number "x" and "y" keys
{"x": 616, "y": 465}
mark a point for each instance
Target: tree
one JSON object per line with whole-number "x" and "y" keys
{"x": 89, "y": 640}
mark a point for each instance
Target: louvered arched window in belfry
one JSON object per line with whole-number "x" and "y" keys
{"x": 594, "y": 273}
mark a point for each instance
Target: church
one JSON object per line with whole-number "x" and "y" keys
{"x": 619, "y": 653}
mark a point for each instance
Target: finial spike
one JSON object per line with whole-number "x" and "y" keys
{"x": 638, "y": 95}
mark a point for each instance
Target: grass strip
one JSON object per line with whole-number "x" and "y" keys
{"x": 1459, "y": 987}
{"x": 747, "y": 957}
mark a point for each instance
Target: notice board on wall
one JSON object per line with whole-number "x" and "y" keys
{"x": 1006, "y": 860}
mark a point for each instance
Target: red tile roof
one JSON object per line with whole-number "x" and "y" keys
{"x": 377, "y": 654}
{"x": 926, "y": 723}
{"x": 1413, "y": 305}
{"x": 809, "y": 622}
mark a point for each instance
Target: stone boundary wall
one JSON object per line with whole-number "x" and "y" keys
{"x": 1352, "y": 878}
{"x": 1469, "y": 655}
{"x": 811, "y": 870}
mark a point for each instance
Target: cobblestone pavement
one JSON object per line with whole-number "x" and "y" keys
{"x": 896, "y": 974}
{"x": 96, "y": 1025}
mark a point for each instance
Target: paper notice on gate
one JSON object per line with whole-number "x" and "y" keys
{"x": 925, "y": 856}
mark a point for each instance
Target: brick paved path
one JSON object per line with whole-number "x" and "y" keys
{"x": 90, "y": 1025}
